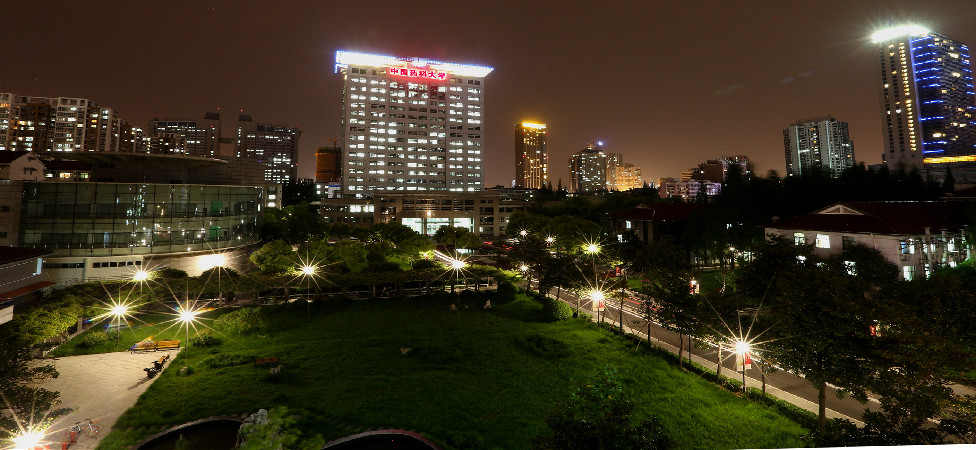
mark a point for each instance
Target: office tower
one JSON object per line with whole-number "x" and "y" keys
{"x": 928, "y": 110}
{"x": 531, "y": 155}
{"x": 588, "y": 169}
{"x": 274, "y": 145}
{"x": 192, "y": 137}
{"x": 614, "y": 162}
{"x": 410, "y": 124}
{"x": 821, "y": 143}
{"x": 59, "y": 124}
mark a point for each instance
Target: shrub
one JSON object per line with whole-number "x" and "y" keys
{"x": 240, "y": 321}
{"x": 554, "y": 310}
{"x": 218, "y": 361}
{"x": 382, "y": 266}
{"x": 170, "y": 273}
{"x": 93, "y": 339}
{"x": 546, "y": 346}
{"x": 425, "y": 264}
{"x": 204, "y": 338}
{"x": 506, "y": 292}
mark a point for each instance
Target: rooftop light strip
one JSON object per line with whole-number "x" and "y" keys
{"x": 345, "y": 58}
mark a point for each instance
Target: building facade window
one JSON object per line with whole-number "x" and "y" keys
{"x": 799, "y": 239}
{"x": 823, "y": 241}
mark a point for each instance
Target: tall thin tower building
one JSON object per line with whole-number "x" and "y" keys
{"x": 531, "y": 155}
{"x": 822, "y": 143}
{"x": 928, "y": 108}
{"x": 410, "y": 124}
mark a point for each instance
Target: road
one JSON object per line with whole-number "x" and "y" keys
{"x": 780, "y": 383}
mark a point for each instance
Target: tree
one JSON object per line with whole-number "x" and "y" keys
{"x": 25, "y": 402}
{"x": 458, "y": 237}
{"x": 279, "y": 432}
{"x": 294, "y": 192}
{"x": 600, "y": 415}
{"x": 820, "y": 315}
{"x": 276, "y": 257}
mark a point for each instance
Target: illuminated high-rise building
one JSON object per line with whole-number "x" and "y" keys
{"x": 588, "y": 169}
{"x": 928, "y": 108}
{"x": 820, "y": 143}
{"x": 194, "y": 137}
{"x": 531, "y": 155}
{"x": 410, "y": 124}
{"x": 273, "y": 145}
{"x": 57, "y": 124}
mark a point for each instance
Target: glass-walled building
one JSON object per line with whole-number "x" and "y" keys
{"x": 127, "y": 219}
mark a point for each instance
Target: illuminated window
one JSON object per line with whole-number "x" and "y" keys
{"x": 823, "y": 241}
{"x": 799, "y": 239}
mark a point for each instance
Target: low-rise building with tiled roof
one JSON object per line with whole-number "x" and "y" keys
{"x": 918, "y": 237}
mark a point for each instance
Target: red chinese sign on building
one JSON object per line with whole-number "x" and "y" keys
{"x": 418, "y": 73}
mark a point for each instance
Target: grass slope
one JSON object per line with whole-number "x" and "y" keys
{"x": 471, "y": 379}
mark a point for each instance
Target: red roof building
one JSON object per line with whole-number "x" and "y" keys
{"x": 917, "y": 236}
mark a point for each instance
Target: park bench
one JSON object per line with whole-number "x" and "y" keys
{"x": 168, "y": 345}
{"x": 262, "y": 361}
{"x": 143, "y": 346}
{"x": 162, "y": 359}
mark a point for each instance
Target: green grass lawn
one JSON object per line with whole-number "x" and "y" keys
{"x": 155, "y": 326}
{"x": 466, "y": 379}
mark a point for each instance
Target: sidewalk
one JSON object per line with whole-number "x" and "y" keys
{"x": 751, "y": 381}
{"x": 99, "y": 387}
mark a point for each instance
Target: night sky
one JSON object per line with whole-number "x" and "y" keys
{"x": 668, "y": 84}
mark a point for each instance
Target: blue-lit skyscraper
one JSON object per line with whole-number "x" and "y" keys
{"x": 928, "y": 108}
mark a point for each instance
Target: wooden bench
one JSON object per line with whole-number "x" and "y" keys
{"x": 143, "y": 346}
{"x": 162, "y": 359}
{"x": 167, "y": 345}
{"x": 262, "y": 361}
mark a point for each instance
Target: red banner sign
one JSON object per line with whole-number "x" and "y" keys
{"x": 418, "y": 73}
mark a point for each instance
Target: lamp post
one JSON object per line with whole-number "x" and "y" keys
{"x": 742, "y": 350}
{"x": 28, "y": 439}
{"x": 308, "y": 272}
{"x": 596, "y": 297}
{"x": 141, "y": 276}
{"x": 187, "y": 317}
{"x": 525, "y": 274}
{"x": 118, "y": 312}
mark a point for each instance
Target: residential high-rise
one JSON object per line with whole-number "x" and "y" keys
{"x": 928, "y": 108}
{"x": 57, "y": 124}
{"x": 276, "y": 146}
{"x": 531, "y": 155}
{"x": 193, "y": 137}
{"x": 628, "y": 176}
{"x": 588, "y": 169}
{"x": 410, "y": 124}
{"x": 821, "y": 143}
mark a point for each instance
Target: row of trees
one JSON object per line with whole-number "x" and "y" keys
{"x": 843, "y": 320}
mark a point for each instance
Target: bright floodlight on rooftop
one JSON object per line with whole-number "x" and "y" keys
{"x": 308, "y": 270}
{"x": 457, "y": 264}
{"x": 141, "y": 275}
{"x": 742, "y": 347}
{"x": 898, "y": 31}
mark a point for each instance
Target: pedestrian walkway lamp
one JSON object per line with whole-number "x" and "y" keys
{"x": 187, "y": 317}
{"x": 119, "y": 312}
{"x": 141, "y": 276}
{"x": 525, "y": 274}
{"x": 742, "y": 349}
{"x": 28, "y": 439}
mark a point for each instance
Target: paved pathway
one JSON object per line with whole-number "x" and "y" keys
{"x": 99, "y": 387}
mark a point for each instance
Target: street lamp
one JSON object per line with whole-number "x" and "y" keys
{"x": 141, "y": 276}
{"x": 596, "y": 298}
{"x": 118, "y": 311}
{"x": 525, "y": 274}
{"x": 742, "y": 349}
{"x": 28, "y": 439}
{"x": 523, "y": 233}
{"x": 187, "y": 316}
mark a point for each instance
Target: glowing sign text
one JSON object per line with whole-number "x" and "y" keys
{"x": 420, "y": 73}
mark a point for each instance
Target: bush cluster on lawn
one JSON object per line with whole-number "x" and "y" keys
{"x": 218, "y": 361}
{"x": 554, "y": 310}
{"x": 96, "y": 338}
{"x": 204, "y": 338}
{"x": 241, "y": 321}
